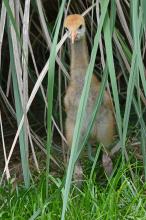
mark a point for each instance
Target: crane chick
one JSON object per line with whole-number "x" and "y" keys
{"x": 103, "y": 128}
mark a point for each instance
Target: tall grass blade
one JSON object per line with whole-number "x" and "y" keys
{"x": 133, "y": 73}
{"x": 95, "y": 161}
{"x": 19, "y": 114}
{"x": 51, "y": 72}
{"x": 144, "y": 10}
{"x": 143, "y": 146}
{"x": 25, "y": 67}
{"x": 110, "y": 62}
{"x": 4, "y": 146}
{"x": 2, "y": 25}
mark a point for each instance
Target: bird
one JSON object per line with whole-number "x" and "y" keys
{"x": 104, "y": 125}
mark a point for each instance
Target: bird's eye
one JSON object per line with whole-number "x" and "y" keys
{"x": 80, "y": 27}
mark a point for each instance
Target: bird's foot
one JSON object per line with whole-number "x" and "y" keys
{"x": 107, "y": 164}
{"x": 78, "y": 175}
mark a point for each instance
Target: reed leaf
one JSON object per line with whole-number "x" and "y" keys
{"x": 110, "y": 61}
{"x": 19, "y": 113}
{"x": 143, "y": 7}
{"x": 133, "y": 72}
{"x": 51, "y": 72}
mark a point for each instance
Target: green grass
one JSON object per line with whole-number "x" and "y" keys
{"x": 112, "y": 200}
{"x": 117, "y": 45}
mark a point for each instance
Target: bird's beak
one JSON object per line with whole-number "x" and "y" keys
{"x": 73, "y": 37}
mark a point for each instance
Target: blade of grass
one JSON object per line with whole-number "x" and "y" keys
{"x": 19, "y": 113}
{"x": 25, "y": 70}
{"x": 143, "y": 146}
{"x": 144, "y": 10}
{"x": 17, "y": 56}
{"x": 95, "y": 161}
{"x": 51, "y": 72}
{"x": 133, "y": 72}
{"x": 2, "y": 25}
{"x": 100, "y": 43}
{"x": 110, "y": 62}
{"x": 4, "y": 146}
{"x": 143, "y": 80}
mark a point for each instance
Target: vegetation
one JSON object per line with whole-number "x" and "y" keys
{"x": 32, "y": 112}
{"x": 111, "y": 201}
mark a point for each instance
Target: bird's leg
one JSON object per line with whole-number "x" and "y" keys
{"x": 105, "y": 136}
{"x": 78, "y": 174}
{"x": 78, "y": 171}
{"x": 107, "y": 163}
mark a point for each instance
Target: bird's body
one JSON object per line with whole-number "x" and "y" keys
{"x": 103, "y": 128}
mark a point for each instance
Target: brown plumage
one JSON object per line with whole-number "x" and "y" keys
{"x": 103, "y": 129}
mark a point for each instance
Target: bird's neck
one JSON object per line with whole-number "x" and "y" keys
{"x": 79, "y": 58}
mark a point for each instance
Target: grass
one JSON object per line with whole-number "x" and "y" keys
{"x": 116, "y": 38}
{"x": 111, "y": 200}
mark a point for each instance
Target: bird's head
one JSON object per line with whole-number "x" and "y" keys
{"x": 75, "y": 24}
